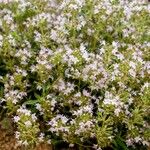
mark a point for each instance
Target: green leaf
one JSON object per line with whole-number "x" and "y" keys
{"x": 31, "y": 102}
{"x": 119, "y": 144}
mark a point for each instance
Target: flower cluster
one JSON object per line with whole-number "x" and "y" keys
{"x": 76, "y": 71}
{"x": 27, "y": 126}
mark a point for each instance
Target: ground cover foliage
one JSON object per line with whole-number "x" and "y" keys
{"x": 76, "y": 72}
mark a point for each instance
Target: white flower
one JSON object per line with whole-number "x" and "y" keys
{"x": 117, "y": 111}
{"x": 24, "y": 111}
{"x": 132, "y": 64}
{"x": 73, "y": 6}
{"x": 71, "y": 145}
{"x": 38, "y": 107}
{"x": 115, "y": 44}
{"x": 39, "y": 87}
{"x": 25, "y": 143}
{"x": 146, "y": 143}
{"x": 101, "y": 51}
{"x": 17, "y": 134}
{"x": 132, "y": 73}
{"x": 77, "y": 94}
{"x": 34, "y": 118}
{"x": 137, "y": 139}
{"x": 129, "y": 142}
{"x": 1, "y": 78}
{"x": 73, "y": 59}
{"x": 41, "y": 137}
{"x": 33, "y": 68}
{"x": 54, "y": 35}
{"x": 86, "y": 93}
{"x": 16, "y": 118}
{"x": 49, "y": 141}
{"x": 28, "y": 123}
{"x": 24, "y": 73}
{"x": 53, "y": 102}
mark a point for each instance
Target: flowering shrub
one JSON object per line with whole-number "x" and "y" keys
{"x": 76, "y": 71}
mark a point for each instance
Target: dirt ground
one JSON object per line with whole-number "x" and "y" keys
{"x": 8, "y": 142}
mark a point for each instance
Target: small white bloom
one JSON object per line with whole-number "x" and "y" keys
{"x": 129, "y": 142}
{"x": 39, "y": 87}
{"x": 53, "y": 35}
{"x": 41, "y": 137}
{"x": 71, "y": 145}
{"x": 17, "y": 134}
{"x": 16, "y": 118}
{"x": 28, "y": 123}
{"x": 38, "y": 107}
{"x": 132, "y": 73}
{"x": 132, "y": 64}
{"x": 146, "y": 143}
{"x": 117, "y": 111}
{"x": 137, "y": 139}
{"x": 25, "y": 143}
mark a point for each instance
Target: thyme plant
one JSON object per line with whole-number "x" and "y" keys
{"x": 76, "y": 71}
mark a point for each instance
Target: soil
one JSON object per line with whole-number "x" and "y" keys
{"x": 8, "y": 142}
